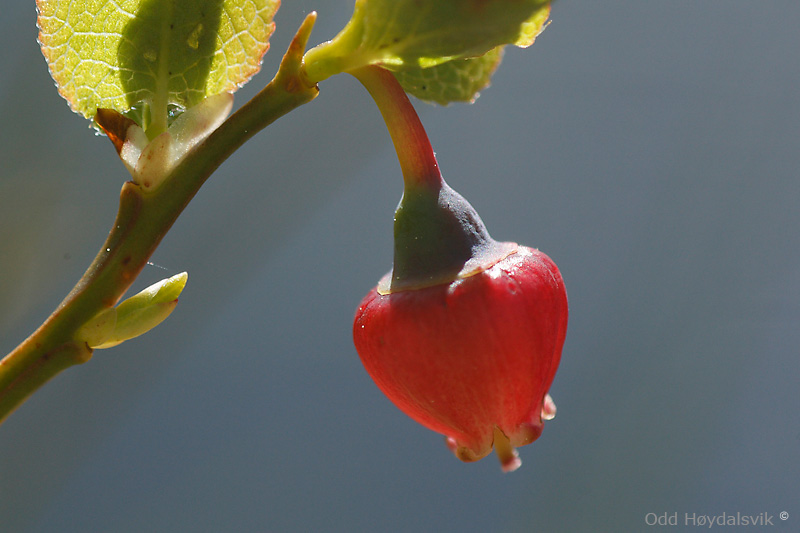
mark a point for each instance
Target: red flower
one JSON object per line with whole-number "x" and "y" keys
{"x": 465, "y": 333}
{"x": 472, "y": 359}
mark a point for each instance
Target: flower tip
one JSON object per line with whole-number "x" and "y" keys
{"x": 464, "y": 453}
{"x": 461, "y": 452}
{"x": 508, "y": 456}
{"x": 512, "y": 464}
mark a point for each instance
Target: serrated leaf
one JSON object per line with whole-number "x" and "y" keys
{"x": 116, "y": 53}
{"x": 459, "y": 80}
{"x": 409, "y": 34}
{"x": 532, "y": 27}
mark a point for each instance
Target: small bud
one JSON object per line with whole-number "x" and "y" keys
{"x": 154, "y": 162}
{"x": 150, "y": 161}
{"x": 198, "y": 122}
{"x": 99, "y": 328}
{"x": 136, "y": 315}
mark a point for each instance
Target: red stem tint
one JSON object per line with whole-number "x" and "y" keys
{"x": 414, "y": 151}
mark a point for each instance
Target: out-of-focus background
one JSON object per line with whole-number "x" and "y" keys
{"x": 650, "y": 148}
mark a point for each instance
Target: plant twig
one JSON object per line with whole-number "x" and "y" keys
{"x": 143, "y": 219}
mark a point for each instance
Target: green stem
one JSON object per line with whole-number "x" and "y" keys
{"x": 20, "y": 376}
{"x": 142, "y": 221}
{"x": 417, "y": 160}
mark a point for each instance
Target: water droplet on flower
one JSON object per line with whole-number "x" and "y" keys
{"x": 548, "y": 408}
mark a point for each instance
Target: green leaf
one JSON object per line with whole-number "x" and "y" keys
{"x": 403, "y": 34}
{"x": 532, "y": 27}
{"x": 459, "y": 80}
{"x": 115, "y": 54}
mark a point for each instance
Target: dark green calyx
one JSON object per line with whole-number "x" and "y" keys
{"x": 438, "y": 238}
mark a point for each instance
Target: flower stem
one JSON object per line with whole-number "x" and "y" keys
{"x": 143, "y": 219}
{"x": 438, "y": 235}
{"x": 417, "y": 160}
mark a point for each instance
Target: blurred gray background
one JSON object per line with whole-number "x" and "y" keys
{"x": 650, "y": 148}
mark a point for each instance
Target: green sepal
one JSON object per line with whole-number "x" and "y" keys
{"x": 438, "y": 238}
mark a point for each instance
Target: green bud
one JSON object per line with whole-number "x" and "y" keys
{"x": 150, "y": 161}
{"x": 99, "y": 328}
{"x": 136, "y": 315}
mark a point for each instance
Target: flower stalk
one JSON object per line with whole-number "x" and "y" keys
{"x": 414, "y": 151}
{"x": 438, "y": 235}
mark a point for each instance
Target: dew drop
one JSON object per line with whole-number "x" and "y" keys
{"x": 512, "y": 286}
{"x": 548, "y": 408}
{"x": 194, "y": 38}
